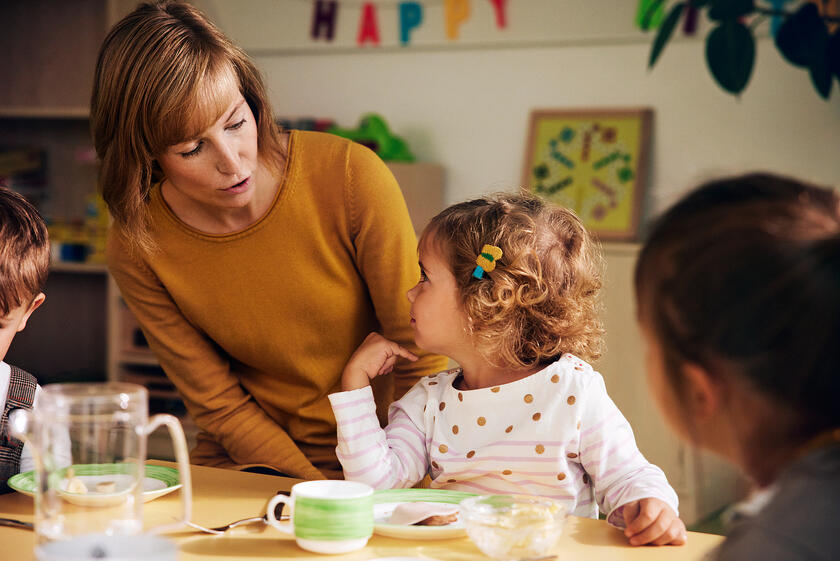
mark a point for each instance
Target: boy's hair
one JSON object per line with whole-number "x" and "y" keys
{"x": 742, "y": 277}
{"x": 541, "y": 300}
{"x": 24, "y": 251}
{"x": 155, "y": 85}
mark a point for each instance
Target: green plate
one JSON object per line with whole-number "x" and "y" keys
{"x": 385, "y": 501}
{"x": 158, "y": 481}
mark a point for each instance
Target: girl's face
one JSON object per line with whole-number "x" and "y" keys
{"x": 437, "y": 318}
{"x": 660, "y": 387}
{"x": 217, "y": 169}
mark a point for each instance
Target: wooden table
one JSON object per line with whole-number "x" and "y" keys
{"x": 221, "y": 496}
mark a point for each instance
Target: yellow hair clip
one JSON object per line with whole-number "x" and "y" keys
{"x": 486, "y": 260}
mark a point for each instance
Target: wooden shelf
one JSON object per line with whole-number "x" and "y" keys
{"x": 83, "y": 268}
{"x": 36, "y": 112}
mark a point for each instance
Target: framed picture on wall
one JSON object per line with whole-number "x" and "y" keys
{"x": 593, "y": 161}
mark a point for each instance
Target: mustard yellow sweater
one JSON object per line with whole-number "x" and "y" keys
{"x": 255, "y": 327}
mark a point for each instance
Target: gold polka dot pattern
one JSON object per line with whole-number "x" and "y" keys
{"x": 528, "y": 398}
{"x": 540, "y": 449}
{"x": 442, "y": 405}
{"x": 454, "y": 429}
{"x": 571, "y": 400}
{"x": 555, "y": 379}
{"x": 507, "y": 472}
{"x": 443, "y": 448}
{"x": 561, "y": 476}
{"x": 495, "y": 389}
{"x": 510, "y": 428}
{"x": 536, "y": 416}
{"x": 481, "y": 421}
{"x": 571, "y": 455}
{"x": 460, "y": 396}
{"x": 471, "y": 453}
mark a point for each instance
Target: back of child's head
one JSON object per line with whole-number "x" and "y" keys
{"x": 742, "y": 278}
{"x": 24, "y": 251}
{"x": 541, "y": 300}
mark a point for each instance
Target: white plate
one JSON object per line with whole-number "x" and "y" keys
{"x": 386, "y": 501}
{"x": 158, "y": 481}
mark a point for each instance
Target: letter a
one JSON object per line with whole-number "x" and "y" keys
{"x": 368, "y": 28}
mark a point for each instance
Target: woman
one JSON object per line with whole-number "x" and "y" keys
{"x": 255, "y": 261}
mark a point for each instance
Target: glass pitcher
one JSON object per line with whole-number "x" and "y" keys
{"x": 89, "y": 447}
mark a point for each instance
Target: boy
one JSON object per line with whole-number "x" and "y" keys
{"x": 24, "y": 265}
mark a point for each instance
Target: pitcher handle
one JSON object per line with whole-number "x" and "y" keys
{"x": 179, "y": 443}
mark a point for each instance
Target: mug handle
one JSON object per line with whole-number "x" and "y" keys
{"x": 271, "y": 519}
{"x": 179, "y": 443}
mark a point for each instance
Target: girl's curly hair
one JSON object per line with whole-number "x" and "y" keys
{"x": 541, "y": 300}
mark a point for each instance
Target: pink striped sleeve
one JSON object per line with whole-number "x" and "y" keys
{"x": 391, "y": 458}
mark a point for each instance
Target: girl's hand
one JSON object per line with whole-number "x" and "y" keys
{"x": 374, "y": 357}
{"x": 652, "y": 521}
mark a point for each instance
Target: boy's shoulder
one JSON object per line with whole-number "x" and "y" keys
{"x": 19, "y": 385}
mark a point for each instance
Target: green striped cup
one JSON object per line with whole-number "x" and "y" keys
{"x": 329, "y": 516}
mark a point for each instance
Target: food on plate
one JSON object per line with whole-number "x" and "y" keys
{"x": 74, "y": 484}
{"x": 424, "y": 514}
{"x": 106, "y": 487}
{"x": 438, "y": 520}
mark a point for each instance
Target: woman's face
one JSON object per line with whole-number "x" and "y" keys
{"x": 216, "y": 169}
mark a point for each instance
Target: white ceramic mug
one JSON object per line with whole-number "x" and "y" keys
{"x": 327, "y": 516}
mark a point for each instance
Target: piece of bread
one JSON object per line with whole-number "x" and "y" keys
{"x": 438, "y": 520}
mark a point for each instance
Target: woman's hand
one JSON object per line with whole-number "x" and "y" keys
{"x": 374, "y": 357}
{"x": 652, "y": 521}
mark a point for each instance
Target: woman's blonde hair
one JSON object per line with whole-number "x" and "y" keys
{"x": 541, "y": 300}
{"x": 156, "y": 83}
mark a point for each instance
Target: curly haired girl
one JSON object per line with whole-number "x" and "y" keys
{"x": 508, "y": 290}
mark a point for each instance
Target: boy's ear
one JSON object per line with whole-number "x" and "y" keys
{"x": 704, "y": 391}
{"x": 36, "y": 302}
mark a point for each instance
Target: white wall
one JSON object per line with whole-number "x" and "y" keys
{"x": 467, "y": 106}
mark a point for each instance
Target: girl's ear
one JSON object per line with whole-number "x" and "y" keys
{"x": 705, "y": 392}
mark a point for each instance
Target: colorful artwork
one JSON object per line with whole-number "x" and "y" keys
{"x": 593, "y": 162}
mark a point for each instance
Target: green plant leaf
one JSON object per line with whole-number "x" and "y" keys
{"x": 665, "y": 32}
{"x": 649, "y": 14}
{"x": 833, "y": 51}
{"x": 730, "y": 55}
{"x": 721, "y": 10}
{"x": 819, "y": 66}
{"x": 798, "y": 37}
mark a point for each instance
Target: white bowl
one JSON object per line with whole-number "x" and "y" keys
{"x": 514, "y": 527}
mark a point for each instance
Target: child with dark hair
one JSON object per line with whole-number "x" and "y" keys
{"x": 738, "y": 290}
{"x": 24, "y": 265}
{"x": 509, "y": 290}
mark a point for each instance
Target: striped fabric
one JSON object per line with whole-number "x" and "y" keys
{"x": 555, "y": 433}
{"x": 21, "y": 394}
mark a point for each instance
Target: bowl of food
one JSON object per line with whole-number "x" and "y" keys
{"x": 514, "y": 527}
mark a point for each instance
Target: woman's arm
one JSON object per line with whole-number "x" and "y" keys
{"x": 212, "y": 394}
{"x": 386, "y": 254}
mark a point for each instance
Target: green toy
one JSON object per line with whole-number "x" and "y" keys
{"x": 373, "y": 132}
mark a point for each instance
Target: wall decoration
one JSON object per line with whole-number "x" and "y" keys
{"x": 409, "y": 13}
{"x": 593, "y": 161}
